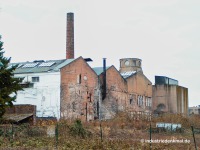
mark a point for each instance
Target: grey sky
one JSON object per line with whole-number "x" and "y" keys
{"x": 163, "y": 33}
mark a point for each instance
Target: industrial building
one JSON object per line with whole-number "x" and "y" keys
{"x": 169, "y": 97}
{"x": 84, "y": 94}
{"x": 70, "y": 88}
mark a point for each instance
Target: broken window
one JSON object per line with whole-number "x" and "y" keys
{"x": 79, "y": 79}
{"x": 131, "y": 101}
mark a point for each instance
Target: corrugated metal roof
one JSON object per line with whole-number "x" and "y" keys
{"x": 66, "y": 62}
{"x": 42, "y": 66}
{"x": 38, "y": 68}
{"x": 99, "y": 70}
{"x": 127, "y": 74}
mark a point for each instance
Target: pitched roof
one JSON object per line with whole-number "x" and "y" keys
{"x": 40, "y": 66}
{"x": 66, "y": 62}
{"x": 99, "y": 70}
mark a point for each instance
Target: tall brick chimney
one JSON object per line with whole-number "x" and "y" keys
{"x": 70, "y": 36}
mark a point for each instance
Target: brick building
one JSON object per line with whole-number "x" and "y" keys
{"x": 139, "y": 87}
{"x": 79, "y": 83}
{"x": 70, "y": 88}
{"x": 116, "y": 92}
{"x": 82, "y": 90}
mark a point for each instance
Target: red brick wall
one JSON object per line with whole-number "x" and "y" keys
{"x": 116, "y": 96}
{"x": 77, "y": 92}
{"x": 79, "y": 100}
{"x": 23, "y": 109}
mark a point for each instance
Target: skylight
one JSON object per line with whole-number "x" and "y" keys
{"x": 30, "y": 65}
{"x": 19, "y": 65}
{"x": 46, "y": 64}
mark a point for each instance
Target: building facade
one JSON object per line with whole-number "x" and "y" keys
{"x": 79, "y": 85}
{"x": 139, "y": 87}
{"x": 82, "y": 91}
{"x": 41, "y": 82}
{"x": 70, "y": 88}
{"x": 169, "y": 97}
{"x": 194, "y": 110}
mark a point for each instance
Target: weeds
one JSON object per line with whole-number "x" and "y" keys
{"x": 122, "y": 132}
{"x": 77, "y": 129}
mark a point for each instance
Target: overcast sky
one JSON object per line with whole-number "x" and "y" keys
{"x": 165, "y": 34}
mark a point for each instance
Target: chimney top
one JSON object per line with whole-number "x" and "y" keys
{"x": 70, "y": 36}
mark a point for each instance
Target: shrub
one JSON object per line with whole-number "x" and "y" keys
{"x": 77, "y": 129}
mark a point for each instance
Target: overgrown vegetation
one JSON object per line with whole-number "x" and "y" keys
{"x": 77, "y": 129}
{"x": 122, "y": 132}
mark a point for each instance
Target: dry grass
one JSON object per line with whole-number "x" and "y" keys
{"x": 122, "y": 132}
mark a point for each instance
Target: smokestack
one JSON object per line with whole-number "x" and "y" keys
{"x": 70, "y": 36}
{"x": 104, "y": 79}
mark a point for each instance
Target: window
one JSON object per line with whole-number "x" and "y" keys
{"x": 126, "y": 63}
{"x": 27, "y": 85}
{"x": 79, "y": 79}
{"x": 139, "y": 63}
{"x": 140, "y": 100}
{"x": 131, "y": 101}
{"x": 134, "y": 62}
{"x": 35, "y": 79}
{"x": 150, "y": 101}
{"x": 90, "y": 97}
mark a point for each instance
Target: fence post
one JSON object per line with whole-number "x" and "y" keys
{"x": 56, "y": 132}
{"x": 194, "y": 137}
{"x": 11, "y": 136}
{"x": 150, "y": 136}
{"x": 12, "y": 131}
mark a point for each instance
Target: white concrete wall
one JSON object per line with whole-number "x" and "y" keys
{"x": 45, "y": 94}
